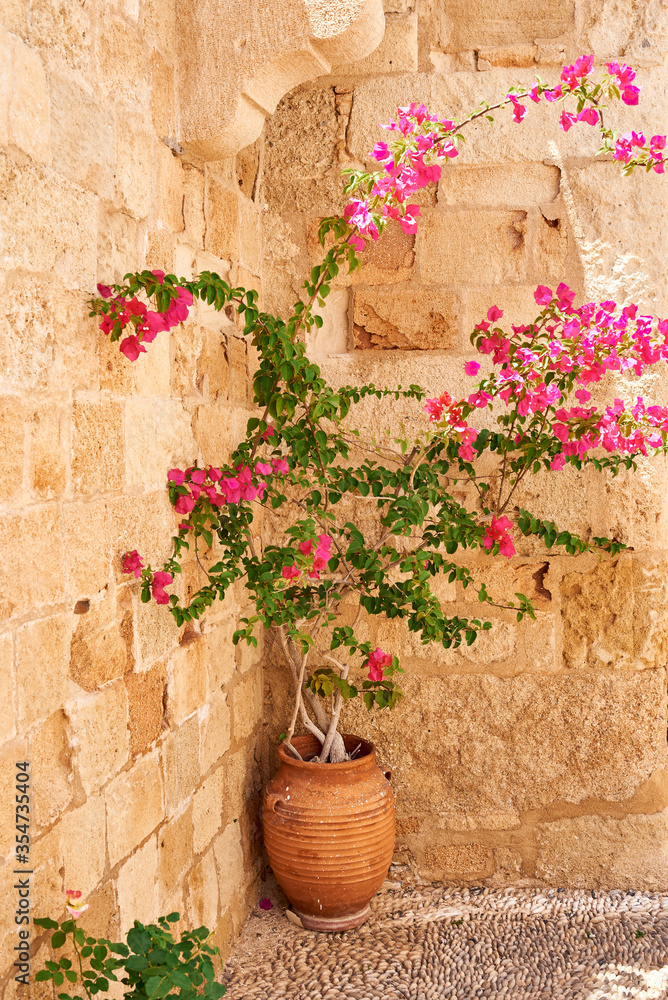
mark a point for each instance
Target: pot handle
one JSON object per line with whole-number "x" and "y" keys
{"x": 272, "y": 801}
{"x": 387, "y": 774}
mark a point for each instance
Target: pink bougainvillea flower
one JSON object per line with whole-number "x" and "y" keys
{"x": 268, "y": 433}
{"x": 132, "y": 563}
{"x": 558, "y": 462}
{"x": 160, "y": 275}
{"x": 158, "y": 584}
{"x": 280, "y": 466}
{"x": 289, "y": 572}
{"x": 543, "y": 295}
{"x": 306, "y": 548}
{"x": 198, "y": 476}
{"x": 435, "y": 407}
{"x": 534, "y": 93}
{"x": 567, "y": 120}
{"x": 554, "y": 95}
{"x": 408, "y": 221}
{"x": 630, "y": 95}
{"x": 377, "y": 662}
{"x": 565, "y": 296}
{"x": 494, "y": 313}
{"x": 105, "y": 291}
{"x": 471, "y": 367}
{"x": 263, "y": 468}
{"x": 498, "y": 531}
{"x": 131, "y": 348}
{"x": 589, "y": 115}
{"x": 266, "y": 904}
{"x": 584, "y": 65}
{"x": 582, "y": 395}
{"x": 176, "y": 476}
{"x": 184, "y": 504}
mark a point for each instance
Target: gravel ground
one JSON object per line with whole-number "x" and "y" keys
{"x": 424, "y": 943}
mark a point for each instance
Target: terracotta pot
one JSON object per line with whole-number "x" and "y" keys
{"x": 329, "y": 833}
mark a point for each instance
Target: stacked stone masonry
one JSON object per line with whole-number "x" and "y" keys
{"x": 149, "y": 133}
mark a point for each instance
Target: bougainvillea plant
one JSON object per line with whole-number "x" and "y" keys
{"x": 318, "y": 567}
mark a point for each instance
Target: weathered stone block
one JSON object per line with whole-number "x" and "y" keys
{"x": 51, "y": 761}
{"x": 163, "y": 110}
{"x": 156, "y": 632}
{"x": 249, "y": 235}
{"x": 101, "y": 647}
{"x": 208, "y": 810}
{"x": 136, "y": 887}
{"x": 472, "y": 247}
{"x": 123, "y": 63}
{"x": 397, "y": 53}
{"x": 388, "y": 261}
{"x": 146, "y": 693}
{"x": 83, "y": 136}
{"x": 180, "y": 763}
{"x": 175, "y": 854}
{"x": 203, "y": 893}
{"x": 66, "y": 237}
{"x": 507, "y": 55}
{"x": 48, "y": 429}
{"x": 516, "y": 186}
{"x": 213, "y": 364}
{"x": 390, "y": 318}
{"x": 332, "y": 337}
{"x": 65, "y": 32}
{"x": 133, "y": 172}
{"x": 246, "y": 705}
{"x": 11, "y": 447}
{"x": 7, "y": 697}
{"x": 158, "y": 437}
{"x": 169, "y": 191}
{"x": 220, "y": 652}
{"x": 144, "y": 524}
{"x": 193, "y": 204}
{"x": 463, "y": 861}
{"x": 36, "y": 535}
{"x": 221, "y": 211}
{"x": 82, "y": 845}
{"x": 41, "y": 667}
{"x": 476, "y": 24}
{"x": 86, "y": 548}
{"x": 229, "y": 861}
{"x": 25, "y": 100}
{"x": 134, "y": 807}
{"x": 213, "y": 433}
{"x": 99, "y": 726}
{"x": 97, "y": 447}
{"x": 214, "y": 730}
{"x": 187, "y": 687}
{"x": 606, "y": 853}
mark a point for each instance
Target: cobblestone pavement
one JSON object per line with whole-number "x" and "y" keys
{"x": 519, "y": 944}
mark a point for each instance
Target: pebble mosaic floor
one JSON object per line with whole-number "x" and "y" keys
{"x": 428, "y": 944}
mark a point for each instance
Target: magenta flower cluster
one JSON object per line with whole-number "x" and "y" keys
{"x": 146, "y": 323}
{"x": 321, "y": 553}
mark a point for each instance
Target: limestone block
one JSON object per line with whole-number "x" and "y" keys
{"x": 15, "y": 17}
{"x": 501, "y": 22}
{"x": 220, "y": 659}
{"x": 24, "y": 93}
{"x": 246, "y": 705}
{"x": 134, "y": 162}
{"x": 389, "y": 261}
{"x": 47, "y": 882}
{"x": 10, "y": 753}
{"x": 101, "y": 648}
{"x": 51, "y": 761}
{"x": 41, "y": 667}
{"x": 472, "y": 246}
{"x": 465, "y": 861}
{"x": 7, "y": 720}
{"x": 187, "y": 686}
{"x": 98, "y": 725}
{"x": 48, "y": 431}
{"x": 332, "y": 337}
{"x": 193, "y": 204}
{"x": 160, "y": 250}
{"x": 156, "y": 632}
{"x": 213, "y": 432}
{"x": 175, "y": 854}
{"x": 397, "y": 53}
{"x": 83, "y": 136}
{"x": 507, "y": 55}
{"x": 496, "y": 186}
{"x": 36, "y": 535}
{"x": 214, "y": 730}
{"x": 614, "y": 614}
{"x": 27, "y": 333}
{"x": 208, "y": 808}
{"x": 158, "y": 437}
{"x": 249, "y": 235}
{"x": 602, "y": 852}
{"x": 611, "y": 28}
{"x": 86, "y": 548}
{"x": 203, "y": 893}
{"x": 221, "y": 211}
{"x": 236, "y": 356}
{"x": 65, "y": 239}
{"x": 551, "y": 250}
{"x": 63, "y": 31}
{"x": 97, "y": 447}
{"x": 152, "y": 373}
{"x": 391, "y": 318}
{"x": 134, "y": 807}
{"x": 102, "y": 915}
{"x": 121, "y": 245}
{"x": 229, "y": 862}
{"x": 169, "y": 191}
{"x": 82, "y": 845}
{"x": 146, "y": 692}
{"x": 163, "y": 109}
{"x": 475, "y": 744}
{"x": 11, "y": 447}
{"x": 144, "y": 524}
{"x": 136, "y": 887}
{"x": 213, "y": 365}
{"x": 180, "y": 763}
{"x": 123, "y": 64}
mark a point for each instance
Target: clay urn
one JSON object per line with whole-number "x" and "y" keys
{"x": 329, "y": 832}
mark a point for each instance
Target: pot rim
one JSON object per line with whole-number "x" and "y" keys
{"x": 368, "y": 756}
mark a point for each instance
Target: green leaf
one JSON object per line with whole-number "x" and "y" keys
{"x": 58, "y": 939}
{"x": 43, "y": 975}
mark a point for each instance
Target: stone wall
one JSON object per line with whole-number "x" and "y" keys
{"x": 538, "y": 755}
{"x": 141, "y": 737}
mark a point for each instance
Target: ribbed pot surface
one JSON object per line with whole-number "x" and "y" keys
{"x": 329, "y": 832}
